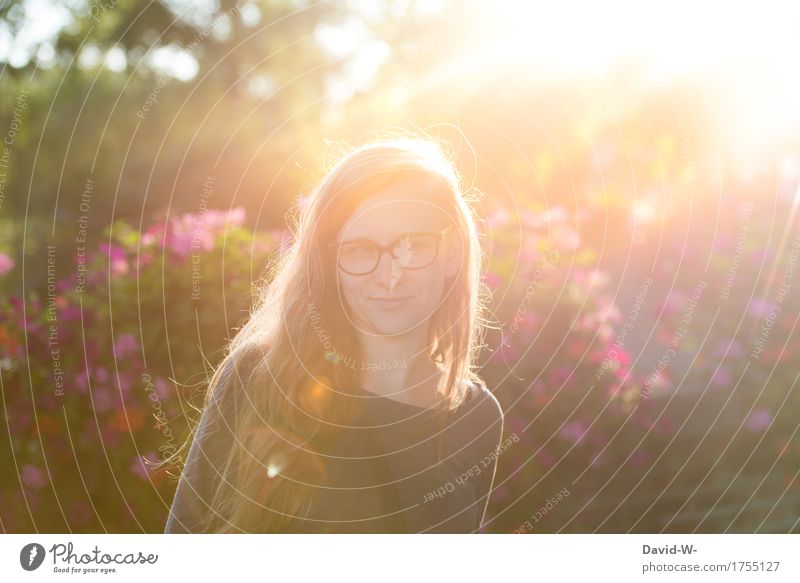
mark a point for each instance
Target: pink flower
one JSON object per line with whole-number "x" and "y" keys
{"x": 101, "y": 374}
{"x": 595, "y": 356}
{"x": 125, "y": 344}
{"x": 492, "y": 280}
{"x": 154, "y": 235}
{"x": 530, "y": 253}
{"x": 574, "y": 431}
{"x": 19, "y": 421}
{"x": 759, "y": 420}
{"x": 723, "y": 243}
{"x": 674, "y": 302}
{"x": 498, "y": 218}
{"x": 140, "y": 465}
{"x": 733, "y": 348}
{"x": 622, "y": 373}
{"x": 117, "y": 258}
{"x": 517, "y": 425}
{"x": 81, "y": 381}
{"x": 658, "y": 381}
{"x": 236, "y": 216}
{"x": 125, "y": 383}
{"x": 303, "y": 201}
{"x": 557, "y": 214}
{"x": 190, "y": 232}
{"x": 596, "y": 279}
{"x": 109, "y": 436}
{"x": 34, "y": 328}
{"x": 32, "y": 476}
{"x": 538, "y": 387}
{"x": 185, "y": 234}
{"x": 500, "y": 494}
{"x": 6, "y": 264}
{"x": 114, "y": 252}
{"x": 722, "y": 377}
{"x": 759, "y": 307}
{"x": 103, "y": 400}
{"x": 70, "y": 314}
{"x": 526, "y": 322}
{"x": 162, "y": 388}
{"x": 623, "y": 356}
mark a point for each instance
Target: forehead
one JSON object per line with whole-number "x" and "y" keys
{"x": 395, "y": 210}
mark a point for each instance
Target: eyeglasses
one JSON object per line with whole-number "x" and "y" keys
{"x": 412, "y": 251}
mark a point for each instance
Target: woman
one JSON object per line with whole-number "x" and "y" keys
{"x": 348, "y": 401}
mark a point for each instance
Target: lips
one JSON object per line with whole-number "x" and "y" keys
{"x": 389, "y": 303}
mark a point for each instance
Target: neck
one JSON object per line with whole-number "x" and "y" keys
{"x": 399, "y": 367}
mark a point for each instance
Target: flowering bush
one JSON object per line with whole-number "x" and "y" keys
{"x": 615, "y": 400}
{"x": 88, "y": 373}
{"x": 99, "y": 377}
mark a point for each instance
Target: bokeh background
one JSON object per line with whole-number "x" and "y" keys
{"x": 639, "y": 169}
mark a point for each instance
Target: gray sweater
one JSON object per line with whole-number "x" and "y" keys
{"x": 394, "y": 470}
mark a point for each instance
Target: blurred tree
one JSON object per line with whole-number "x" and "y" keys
{"x": 131, "y": 105}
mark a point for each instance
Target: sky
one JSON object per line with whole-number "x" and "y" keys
{"x": 745, "y": 54}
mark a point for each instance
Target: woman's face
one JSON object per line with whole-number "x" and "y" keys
{"x": 395, "y": 299}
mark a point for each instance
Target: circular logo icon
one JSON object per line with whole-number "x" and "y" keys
{"x": 31, "y": 556}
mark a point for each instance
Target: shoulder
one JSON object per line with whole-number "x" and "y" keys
{"x": 486, "y": 406}
{"x": 484, "y": 398}
{"x": 230, "y": 384}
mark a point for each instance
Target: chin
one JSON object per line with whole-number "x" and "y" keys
{"x": 392, "y": 325}
{"x": 393, "y": 328}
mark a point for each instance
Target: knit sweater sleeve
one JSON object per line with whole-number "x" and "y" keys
{"x": 191, "y": 507}
{"x": 492, "y": 425}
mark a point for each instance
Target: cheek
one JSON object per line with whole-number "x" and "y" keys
{"x": 431, "y": 286}
{"x": 349, "y": 288}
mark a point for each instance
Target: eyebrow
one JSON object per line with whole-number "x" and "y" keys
{"x": 360, "y": 239}
{"x": 355, "y": 240}
{"x": 400, "y": 236}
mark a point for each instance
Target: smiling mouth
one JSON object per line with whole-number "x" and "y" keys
{"x": 389, "y": 302}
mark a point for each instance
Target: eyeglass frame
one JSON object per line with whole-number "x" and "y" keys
{"x": 390, "y": 248}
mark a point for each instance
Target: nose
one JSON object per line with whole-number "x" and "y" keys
{"x": 387, "y": 270}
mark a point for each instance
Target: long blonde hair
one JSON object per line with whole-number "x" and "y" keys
{"x": 285, "y": 378}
